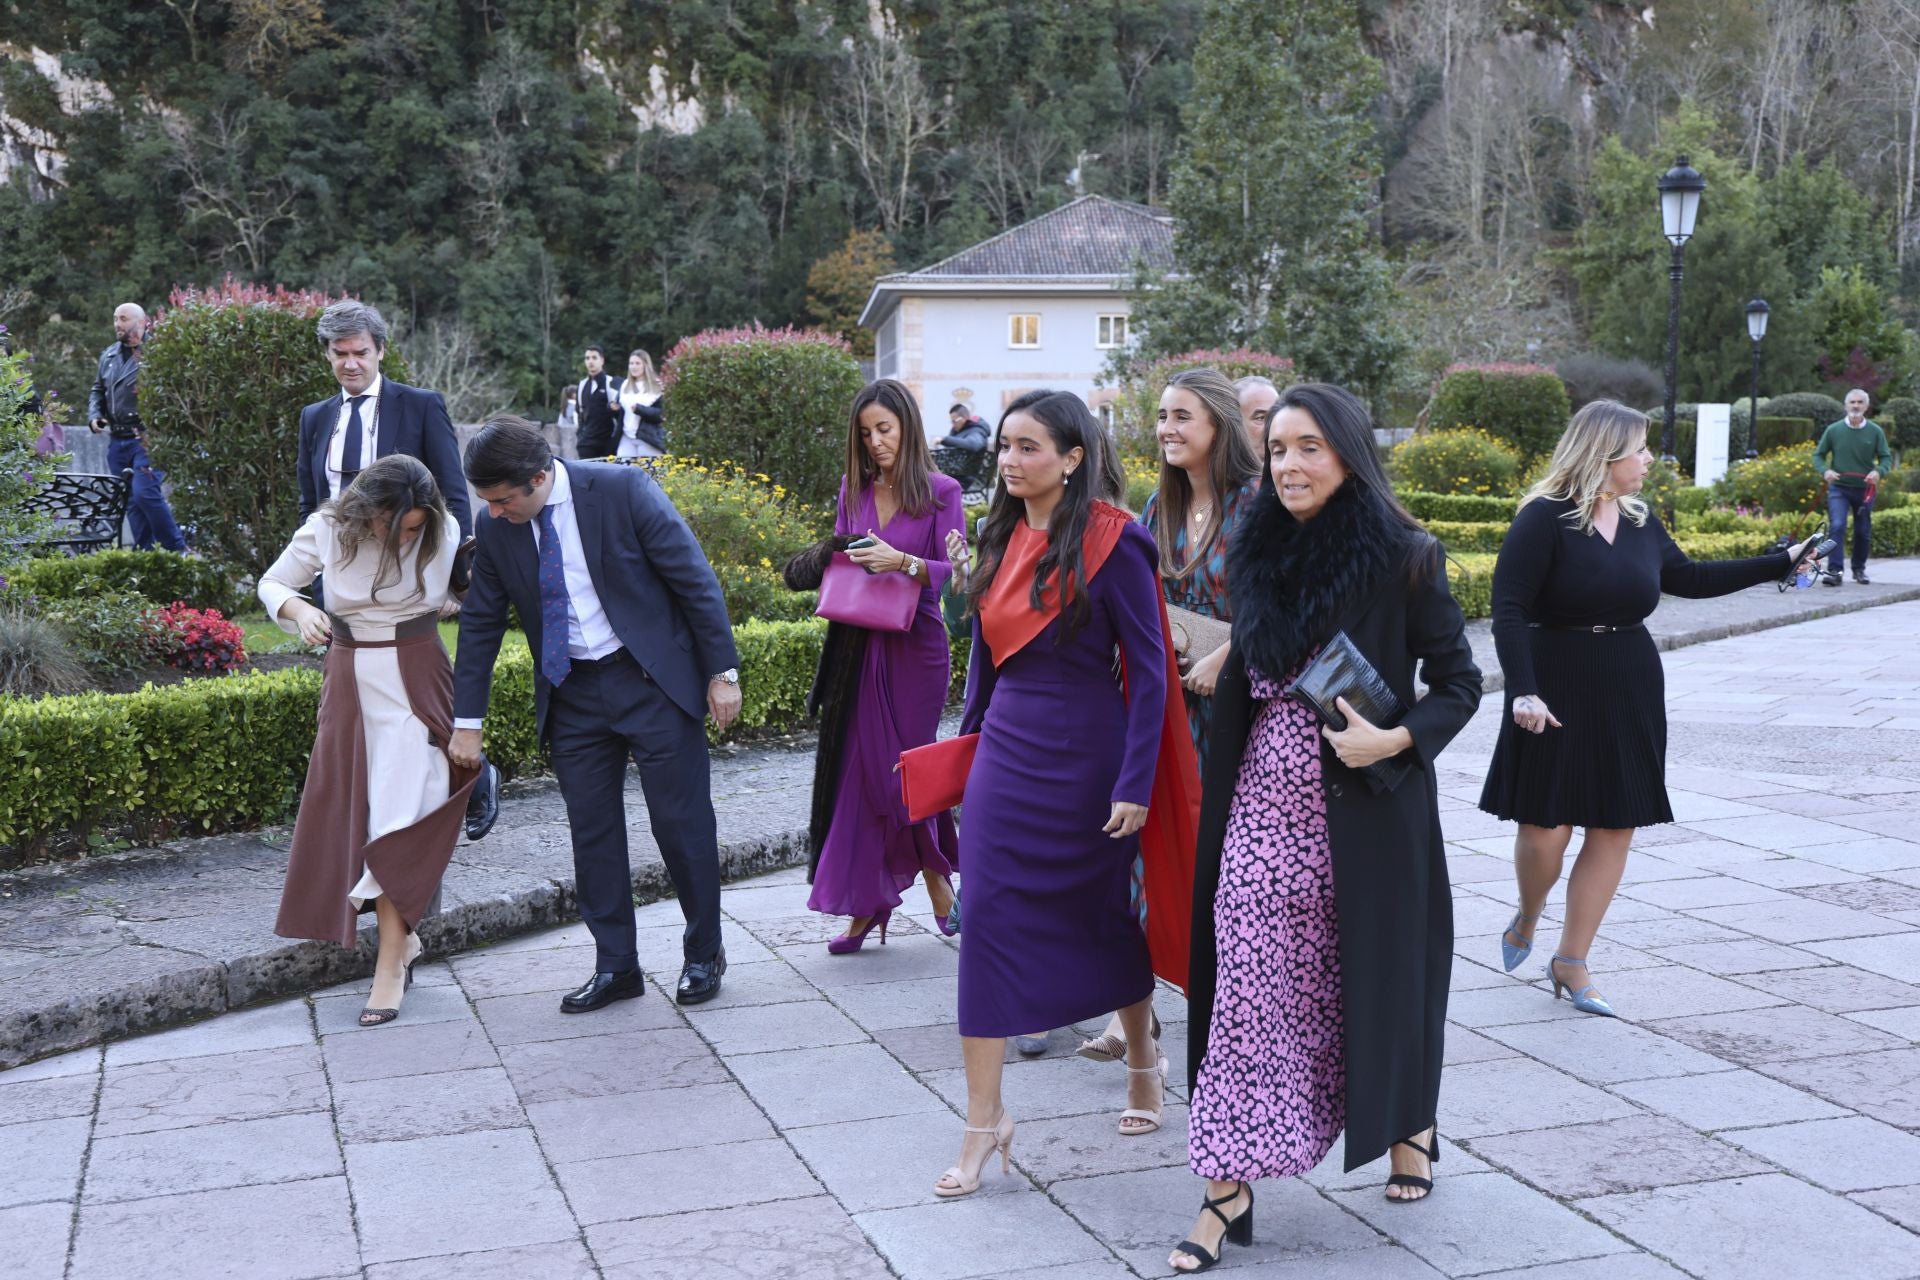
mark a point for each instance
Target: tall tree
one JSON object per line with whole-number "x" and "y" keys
{"x": 1274, "y": 192}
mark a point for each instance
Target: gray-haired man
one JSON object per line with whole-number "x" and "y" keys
{"x": 372, "y": 417}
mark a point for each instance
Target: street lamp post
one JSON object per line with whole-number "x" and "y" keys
{"x": 1680, "y": 189}
{"x": 1756, "y": 330}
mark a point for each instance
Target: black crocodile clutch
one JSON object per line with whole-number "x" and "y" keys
{"x": 1340, "y": 670}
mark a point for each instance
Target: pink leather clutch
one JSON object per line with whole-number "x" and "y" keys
{"x": 876, "y": 601}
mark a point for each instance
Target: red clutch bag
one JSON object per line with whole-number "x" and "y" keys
{"x": 933, "y": 778}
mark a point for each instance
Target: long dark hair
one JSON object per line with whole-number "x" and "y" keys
{"x": 1347, "y": 426}
{"x": 912, "y": 465}
{"x": 388, "y": 488}
{"x": 1230, "y": 465}
{"x": 1070, "y": 425}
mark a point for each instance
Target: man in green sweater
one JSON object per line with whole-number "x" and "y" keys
{"x": 1851, "y": 455}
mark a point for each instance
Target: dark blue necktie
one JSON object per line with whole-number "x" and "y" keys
{"x": 350, "y": 448}
{"x": 554, "y": 662}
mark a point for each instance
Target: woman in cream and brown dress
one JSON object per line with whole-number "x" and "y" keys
{"x": 382, "y": 805}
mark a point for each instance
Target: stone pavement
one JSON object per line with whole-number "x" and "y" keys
{"x": 1755, "y": 1113}
{"x": 151, "y": 937}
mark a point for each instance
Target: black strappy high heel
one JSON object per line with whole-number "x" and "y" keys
{"x": 372, "y": 1017}
{"x": 1424, "y": 1185}
{"x": 1239, "y": 1229}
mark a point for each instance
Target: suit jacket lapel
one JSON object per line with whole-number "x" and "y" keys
{"x": 389, "y": 422}
{"x": 589, "y": 516}
{"x": 523, "y": 558}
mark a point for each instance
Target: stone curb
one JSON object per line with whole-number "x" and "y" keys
{"x": 297, "y": 968}
{"x": 221, "y": 986}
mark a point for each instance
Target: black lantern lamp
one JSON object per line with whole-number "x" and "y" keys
{"x": 1680, "y": 190}
{"x": 1756, "y": 330}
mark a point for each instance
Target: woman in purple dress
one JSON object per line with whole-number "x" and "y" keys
{"x": 1066, "y": 767}
{"x": 1322, "y": 917}
{"x": 879, "y": 693}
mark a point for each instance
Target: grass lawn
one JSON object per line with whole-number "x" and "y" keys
{"x": 264, "y": 636}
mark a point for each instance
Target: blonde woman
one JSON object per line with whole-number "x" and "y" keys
{"x": 1584, "y": 740}
{"x": 641, "y": 435}
{"x": 382, "y": 805}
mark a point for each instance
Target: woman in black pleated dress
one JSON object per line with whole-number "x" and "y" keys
{"x": 1584, "y": 741}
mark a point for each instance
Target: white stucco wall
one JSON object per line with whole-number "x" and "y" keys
{"x": 949, "y": 347}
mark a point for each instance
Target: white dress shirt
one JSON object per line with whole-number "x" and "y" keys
{"x": 589, "y": 634}
{"x": 369, "y": 428}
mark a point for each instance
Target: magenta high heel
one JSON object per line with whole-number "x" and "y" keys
{"x": 848, "y": 943}
{"x": 949, "y": 922}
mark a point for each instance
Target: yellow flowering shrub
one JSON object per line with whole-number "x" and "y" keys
{"x": 1457, "y": 460}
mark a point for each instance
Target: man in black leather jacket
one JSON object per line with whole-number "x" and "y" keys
{"x": 111, "y": 406}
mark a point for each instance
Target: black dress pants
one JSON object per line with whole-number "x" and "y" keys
{"x": 602, "y": 714}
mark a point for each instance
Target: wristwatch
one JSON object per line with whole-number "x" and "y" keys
{"x": 913, "y": 566}
{"x": 731, "y": 675}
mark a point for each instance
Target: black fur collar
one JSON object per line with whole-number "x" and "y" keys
{"x": 1292, "y": 583}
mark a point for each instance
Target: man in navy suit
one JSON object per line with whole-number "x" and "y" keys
{"x": 632, "y": 652}
{"x": 372, "y": 417}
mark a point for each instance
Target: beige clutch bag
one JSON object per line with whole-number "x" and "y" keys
{"x": 1195, "y": 635}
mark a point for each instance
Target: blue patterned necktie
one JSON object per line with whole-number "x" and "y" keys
{"x": 351, "y": 447}
{"x": 554, "y": 662}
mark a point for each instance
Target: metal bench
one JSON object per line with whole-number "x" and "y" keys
{"x": 87, "y": 510}
{"x": 972, "y": 468}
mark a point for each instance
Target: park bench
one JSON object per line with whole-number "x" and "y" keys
{"x": 87, "y": 511}
{"x": 970, "y": 467}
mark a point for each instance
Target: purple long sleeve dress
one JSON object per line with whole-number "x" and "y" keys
{"x": 871, "y": 851}
{"x": 1049, "y": 937}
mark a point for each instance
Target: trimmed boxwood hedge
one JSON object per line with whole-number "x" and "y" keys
{"x": 1428, "y": 507}
{"x": 219, "y": 754}
{"x": 161, "y": 577}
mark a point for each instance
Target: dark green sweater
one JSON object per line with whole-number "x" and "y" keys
{"x": 1858, "y": 449}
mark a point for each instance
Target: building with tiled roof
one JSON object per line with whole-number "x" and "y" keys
{"x": 1042, "y": 304}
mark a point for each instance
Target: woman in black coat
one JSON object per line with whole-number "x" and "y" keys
{"x": 1322, "y": 916}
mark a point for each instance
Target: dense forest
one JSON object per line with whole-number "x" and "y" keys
{"x": 1437, "y": 179}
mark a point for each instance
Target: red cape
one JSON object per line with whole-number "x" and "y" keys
{"x": 1009, "y": 622}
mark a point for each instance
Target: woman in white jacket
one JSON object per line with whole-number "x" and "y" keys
{"x": 641, "y": 435}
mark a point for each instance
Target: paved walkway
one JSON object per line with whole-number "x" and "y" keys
{"x": 1754, "y": 1114}
{"x": 149, "y": 938}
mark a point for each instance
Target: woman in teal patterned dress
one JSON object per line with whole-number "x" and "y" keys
{"x": 1208, "y": 474}
{"x": 1204, "y": 453}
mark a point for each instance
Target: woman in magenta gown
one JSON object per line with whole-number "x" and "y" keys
{"x": 1070, "y": 698}
{"x": 881, "y": 692}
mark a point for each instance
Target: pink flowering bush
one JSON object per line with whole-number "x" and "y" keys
{"x": 773, "y": 402}
{"x": 223, "y": 376}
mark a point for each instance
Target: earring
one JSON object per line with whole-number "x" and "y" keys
{"x": 1067, "y": 478}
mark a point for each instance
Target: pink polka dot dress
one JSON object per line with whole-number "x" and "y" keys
{"x": 1269, "y": 1099}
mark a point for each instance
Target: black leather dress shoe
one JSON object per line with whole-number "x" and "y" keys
{"x": 700, "y": 980}
{"x": 603, "y": 989}
{"x": 483, "y": 802}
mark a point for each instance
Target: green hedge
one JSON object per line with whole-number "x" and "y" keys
{"x": 1524, "y": 404}
{"x": 772, "y": 401}
{"x": 1428, "y": 507}
{"x": 157, "y": 576}
{"x": 1471, "y": 578}
{"x": 1468, "y": 535}
{"x": 209, "y": 755}
{"x": 1897, "y": 533}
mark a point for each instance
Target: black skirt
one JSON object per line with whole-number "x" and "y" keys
{"x": 1606, "y": 766}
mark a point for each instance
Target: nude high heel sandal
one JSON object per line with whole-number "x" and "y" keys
{"x": 964, "y": 1183}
